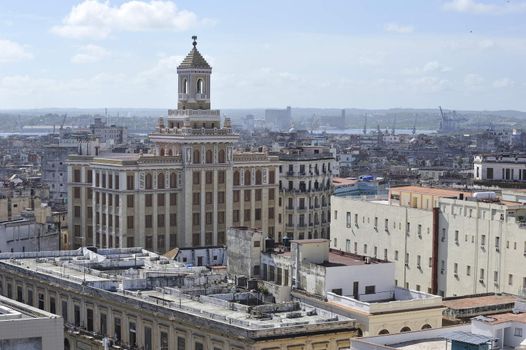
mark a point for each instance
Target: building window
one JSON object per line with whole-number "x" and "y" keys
{"x": 517, "y": 332}
{"x": 196, "y": 177}
{"x": 221, "y": 156}
{"x": 132, "y": 334}
{"x": 160, "y": 181}
{"x": 117, "y": 328}
{"x": 181, "y": 343}
{"x": 247, "y": 177}
{"x": 197, "y": 157}
{"x": 147, "y": 338}
{"x": 370, "y": 289}
{"x": 236, "y": 178}
{"x": 164, "y": 340}
{"x": 196, "y": 198}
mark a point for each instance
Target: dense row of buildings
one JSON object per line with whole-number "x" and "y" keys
{"x": 202, "y": 236}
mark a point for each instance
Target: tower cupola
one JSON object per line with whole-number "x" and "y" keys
{"x": 194, "y": 80}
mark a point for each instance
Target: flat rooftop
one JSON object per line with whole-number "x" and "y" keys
{"x": 471, "y": 302}
{"x": 123, "y": 272}
{"x": 440, "y": 192}
{"x": 341, "y": 181}
{"x": 503, "y": 318}
{"x": 339, "y": 258}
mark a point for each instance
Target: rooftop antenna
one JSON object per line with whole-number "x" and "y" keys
{"x": 414, "y": 127}
{"x": 365, "y": 125}
{"x": 394, "y": 126}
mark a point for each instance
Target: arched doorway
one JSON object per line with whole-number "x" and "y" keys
{"x": 383, "y": 332}
{"x": 426, "y": 326}
{"x": 405, "y": 329}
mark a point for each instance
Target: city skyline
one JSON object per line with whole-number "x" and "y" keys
{"x": 461, "y": 53}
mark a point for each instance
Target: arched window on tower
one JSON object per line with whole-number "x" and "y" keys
{"x": 247, "y": 177}
{"x": 258, "y": 177}
{"x": 148, "y": 181}
{"x": 221, "y": 156}
{"x": 162, "y": 152}
{"x": 160, "y": 180}
{"x": 236, "y": 178}
{"x": 209, "y": 156}
{"x": 200, "y": 86}
{"x": 173, "y": 180}
{"x": 197, "y": 157}
{"x": 185, "y": 86}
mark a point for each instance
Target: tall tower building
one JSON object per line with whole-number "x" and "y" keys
{"x": 186, "y": 192}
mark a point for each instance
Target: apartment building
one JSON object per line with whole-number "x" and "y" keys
{"x": 305, "y": 190}
{"x": 187, "y": 193}
{"x": 129, "y": 298}
{"x": 445, "y": 242}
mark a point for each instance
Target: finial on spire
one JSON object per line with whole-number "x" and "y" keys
{"x": 194, "y": 37}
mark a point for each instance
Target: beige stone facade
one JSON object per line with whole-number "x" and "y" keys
{"x": 187, "y": 193}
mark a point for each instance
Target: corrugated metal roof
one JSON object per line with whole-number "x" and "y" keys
{"x": 468, "y": 337}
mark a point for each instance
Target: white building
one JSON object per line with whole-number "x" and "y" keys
{"x": 442, "y": 241}
{"x": 358, "y": 287}
{"x": 505, "y": 167}
{"x": 23, "y": 327}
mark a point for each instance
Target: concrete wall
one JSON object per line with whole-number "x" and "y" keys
{"x": 33, "y": 330}
{"x": 379, "y": 275}
{"x": 243, "y": 251}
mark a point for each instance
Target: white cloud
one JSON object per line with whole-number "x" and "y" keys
{"x": 474, "y": 82}
{"x": 11, "y": 51}
{"x": 89, "y": 54}
{"x": 428, "y": 84}
{"x": 479, "y": 7}
{"x": 165, "y": 68}
{"x": 398, "y": 28}
{"x": 503, "y": 83}
{"x": 97, "y": 20}
{"x": 429, "y": 67}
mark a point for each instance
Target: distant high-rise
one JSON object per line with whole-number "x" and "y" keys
{"x": 279, "y": 119}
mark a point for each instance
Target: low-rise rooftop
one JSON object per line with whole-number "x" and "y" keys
{"x": 167, "y": 286}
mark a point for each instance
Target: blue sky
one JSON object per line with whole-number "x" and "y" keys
{"x": 461, "y": 54}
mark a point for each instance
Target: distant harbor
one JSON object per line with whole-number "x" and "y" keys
{"x": 360, "y": 131}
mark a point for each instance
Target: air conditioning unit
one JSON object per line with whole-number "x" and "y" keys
{"x": 418, "y": 266}
{"x": 456, "y": 275}
{"x": 481, "y": 281}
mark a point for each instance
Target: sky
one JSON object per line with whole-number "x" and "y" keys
{"x": 460, "y": 54}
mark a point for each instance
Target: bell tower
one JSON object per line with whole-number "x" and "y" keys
{"x": 194, "y": 80}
